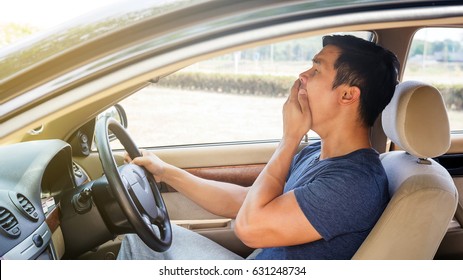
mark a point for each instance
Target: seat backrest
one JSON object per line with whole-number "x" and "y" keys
{"x": 423, "y": 195}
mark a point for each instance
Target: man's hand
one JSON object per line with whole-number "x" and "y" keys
{"x": 297, "y": 117}
{"x": 151, "y": 162}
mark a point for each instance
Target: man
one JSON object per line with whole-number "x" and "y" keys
{"x": 323, "y": 202}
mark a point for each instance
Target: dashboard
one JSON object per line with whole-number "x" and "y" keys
{"x": 33, "y": 177}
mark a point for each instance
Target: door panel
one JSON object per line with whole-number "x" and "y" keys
{"x": 453, "y": 162}
{"x": 243, "y": 175}
{"x": 217, "y": 155}
{"x": 237, "y": 164}
{"x": 452, "y": 244}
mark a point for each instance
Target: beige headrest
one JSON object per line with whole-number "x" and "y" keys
{"x": 417, "y": 121}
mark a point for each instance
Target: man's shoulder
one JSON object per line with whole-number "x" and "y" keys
{"x": 362, "y": 158}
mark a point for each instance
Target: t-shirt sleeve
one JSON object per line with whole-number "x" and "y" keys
{"x": 338, "y": 201}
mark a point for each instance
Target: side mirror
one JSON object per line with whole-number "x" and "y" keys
{"x": 117, "y": 112}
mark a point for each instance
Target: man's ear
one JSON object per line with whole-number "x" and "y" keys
{"x": 350, "y": 95}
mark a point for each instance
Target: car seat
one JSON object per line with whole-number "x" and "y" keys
{"x": 423, "y": 194}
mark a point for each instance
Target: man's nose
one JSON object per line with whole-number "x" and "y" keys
{"x": 303, "y": 77}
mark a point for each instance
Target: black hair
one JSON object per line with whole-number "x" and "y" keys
{"x": 368, "y": 66}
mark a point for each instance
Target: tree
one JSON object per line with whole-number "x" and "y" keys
{"x": 417, "y": 48}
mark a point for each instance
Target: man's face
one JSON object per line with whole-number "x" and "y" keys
{"x": 318, "y": 82}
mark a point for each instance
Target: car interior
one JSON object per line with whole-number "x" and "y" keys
{"x": 231, "y": 163}
{"x": 422, "y": 155}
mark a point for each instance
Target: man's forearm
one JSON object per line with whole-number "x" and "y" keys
{"x": 270, "y": 183}
{"x": 220, "y": 198}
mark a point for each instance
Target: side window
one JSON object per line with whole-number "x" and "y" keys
{"x": 436, "y": 57}
{"x": 233, "y": 97}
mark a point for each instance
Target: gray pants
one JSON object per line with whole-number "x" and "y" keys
{"x": 186, "y": 245}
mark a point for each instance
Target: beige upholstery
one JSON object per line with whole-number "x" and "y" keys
{"x": 423, "y": 195}
{"x": 417, "y": 121}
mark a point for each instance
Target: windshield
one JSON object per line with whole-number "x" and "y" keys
{"x": 60, "y": 25}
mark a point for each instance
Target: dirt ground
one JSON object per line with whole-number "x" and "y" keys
{"x": 160, "y": 116}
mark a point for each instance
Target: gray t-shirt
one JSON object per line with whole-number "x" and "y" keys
{"x": 342, "y": 197}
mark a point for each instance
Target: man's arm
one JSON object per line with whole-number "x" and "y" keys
{"x": 268, "y": 217}
{"x": 223, "y": 199}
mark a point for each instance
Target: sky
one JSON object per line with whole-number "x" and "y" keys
{"x": 45, "y": 14}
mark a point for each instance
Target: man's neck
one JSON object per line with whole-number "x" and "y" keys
{"x": 343, "y": 142}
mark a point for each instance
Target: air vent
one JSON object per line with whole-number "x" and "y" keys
{"x": 9, "y": 224}
{"x": 27, "y": 206}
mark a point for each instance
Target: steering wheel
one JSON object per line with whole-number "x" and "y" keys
{"x": 134, "y": 187}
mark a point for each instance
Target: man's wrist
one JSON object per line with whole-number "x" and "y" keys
{"x": 292, "y": 139}
{"x": 290, "y": 142}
